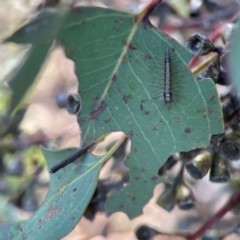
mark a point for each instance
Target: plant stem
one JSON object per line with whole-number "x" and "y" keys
{"x": 233, "y": 201}
{"x": 75, "y": 155}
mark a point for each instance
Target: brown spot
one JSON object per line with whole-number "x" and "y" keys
{"x": 143, "y": 170}
{"x": 95, "y": 98}
{"x": 136, "y": 178}
{"x": 154, "y": 178}
{"x": 114, "y": 78}
{"x": 148, "y": 57}
{"x": 74, "y": 190}
{"x": 107, "y": 121}
{"x": 133, "y": 198}
{"x": 69, "y": 50}
{"x": 121, "y": 206}
{"x": 178, "y": 120}
{"x": 154, "y": 128}
{"x": 130, "y": 134}
{"x": 132, "y": 47}
{"x": 126, "y": 98}
{"x": 100, "y": 108}
{"x": 187, "y": 130}
{"x": 146, "y": 112}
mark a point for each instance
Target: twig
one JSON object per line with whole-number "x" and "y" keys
{"x": 75, "y": 155}
{"x": 233, "y": 201}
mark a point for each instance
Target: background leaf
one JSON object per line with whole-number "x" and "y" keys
{"x": 40, "y": 32}
{"x": 119, "y": 61}
{"x": 235, "y": 57}
{"x": 25, "y": 74}
{"x": 69, "y": 193}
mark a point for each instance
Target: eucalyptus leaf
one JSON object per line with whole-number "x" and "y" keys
{"x": 121, "y": 65}
{"x": 69, "y": 193}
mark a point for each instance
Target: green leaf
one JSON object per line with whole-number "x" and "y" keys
{"x": 235, "y": 57}
{"x": 25, "y": 74}
{"x": 43, "y": 28}
{"x": 69, "y": 193}
{"x": 119, "y": 61}
{"x": 40, "y": 32}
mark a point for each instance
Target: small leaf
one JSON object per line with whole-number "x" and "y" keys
{"x": 69, "y": 193}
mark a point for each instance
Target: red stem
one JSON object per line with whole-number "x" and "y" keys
{"x": 233, "y": 201}
{"x": 151, "y": 6}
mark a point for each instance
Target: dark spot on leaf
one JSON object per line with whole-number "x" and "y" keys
{"x": 146, "y": 24}
{"x": 59, "y": 178}
{"x": 114, "y": 78}
{"x": 95, "y": 98}
{"x": 93, "y": 25}
{"x": 130, "y": 134}
{"x": 107, "y": 121}
{"x": 146, "y": 112}
{"x": 136, "y": 178}
{"x": 154, "y": 128}
{"x": 187, "y": 130}
{"x": 126, "y": 98}
{"x": 100, "y": 108}
{"x": 121, "y": 206}
{"x": 73, "y": 218}
{"x": 40, "y": 227}
{"x": 69, "y": 50}
{"x": 148, "y": 57}
{"x": 145, "y": 181}
{"x": 74, "y": 190}
{"x": 132, "y": 47}
{"x": 173, "y": 49}
{"x": 133, "y": 198}
{"x": 135, "y": 150}
{"x": 178, "y": 120}
{"x": 143, "y": 169}
{"x": 154, "y": 178}
{"x": 83, "y": 22}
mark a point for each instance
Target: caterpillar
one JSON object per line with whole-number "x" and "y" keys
{"x": 167, "y": 81}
